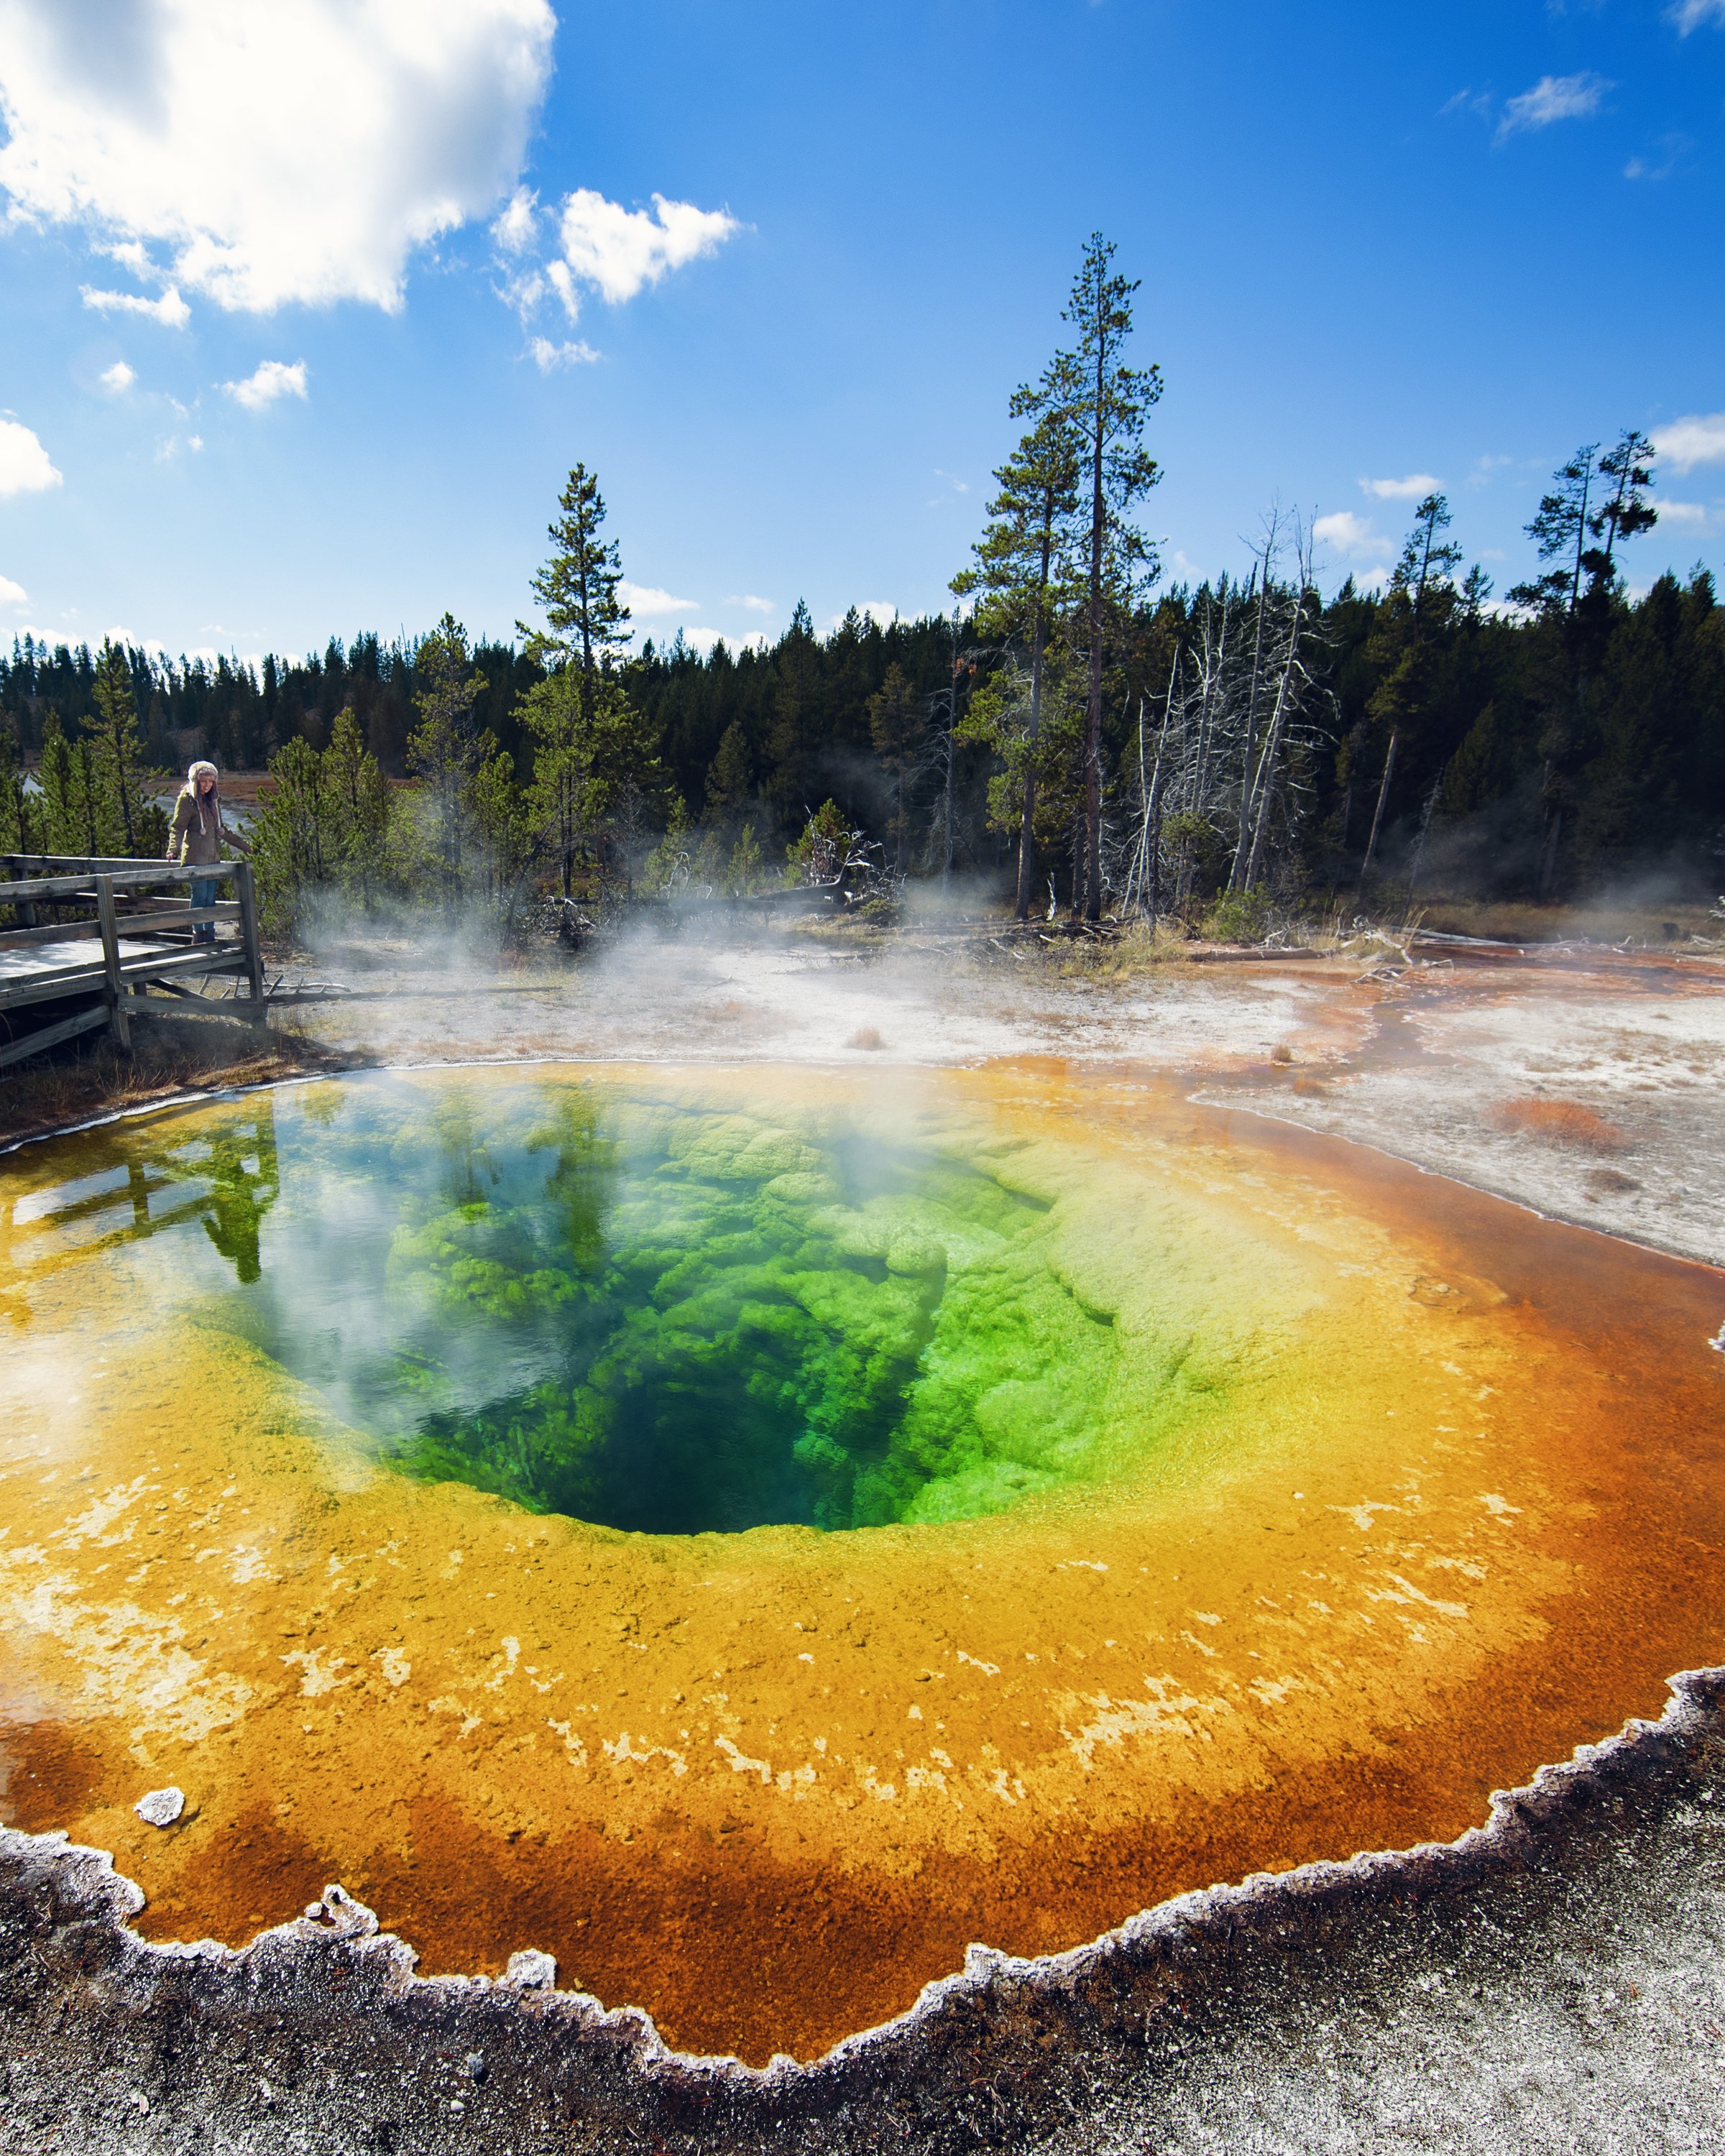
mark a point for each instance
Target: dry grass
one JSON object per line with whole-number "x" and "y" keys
{"x": 867, "y": 1036}
{"x": 1117, "y": 954}
{"x": 1559, "y": 1122}
{"x": 1281, "y": 1053}
{"x": 86, "y": 1079}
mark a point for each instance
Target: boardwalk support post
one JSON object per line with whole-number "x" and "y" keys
{"x": 246, "y": 890}
{"x": 118, "y": 1023}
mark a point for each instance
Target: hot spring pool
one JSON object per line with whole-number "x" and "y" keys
{"x": 750, "y": 1533}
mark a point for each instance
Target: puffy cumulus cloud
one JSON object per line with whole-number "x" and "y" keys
{"x": 1686, "y": 516}
{"x": 513, "y": 230}
{"x": 1414, "y": 488}
{"x": 653, "y": 599}
{"x": 1699, "y": 439}
{"x": 171, "y": 311}
{"x": 753, "y": 602}
{"x": 616, "y": 251}
{"x": 24, "y": 465}
{"x": 549, "y": 357}
{"x": 11, "y": 594}
{"x": 117, "y": 378}
{"x": 1552, "y": 97}
{"x": 276, "y": 150}
{"x": 1349, "y": 534}
{"x": 272, "y": 381}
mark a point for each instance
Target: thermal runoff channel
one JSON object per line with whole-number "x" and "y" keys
{"x": 750, "y": 1533}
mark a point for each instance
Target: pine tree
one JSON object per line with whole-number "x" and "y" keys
{"x": 898, "y": 727}
{"x": 1105, "y": 403}
{"x": 729, "y": 778}
{"x": 357, "y": 796}
{"x": 56, "y": 777}
{"x": 447, "y": 748}
{"x": 116, "y": 729}
{"x": 17, "y": 821}
{"x": 1627, "y": 467}
{"x": 578, "y": 588}
{"x": 1024, "y": 581}
{"x": 1427, "y": 556}
{"x": 1559, "y": 529}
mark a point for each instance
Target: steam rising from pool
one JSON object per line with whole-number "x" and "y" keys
{"x": 671, "y": 1317}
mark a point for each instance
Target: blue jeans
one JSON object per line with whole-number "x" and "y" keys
{"x": 203, "y": 894}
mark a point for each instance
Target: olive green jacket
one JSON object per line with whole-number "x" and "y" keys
{"x": 187, "y": 841}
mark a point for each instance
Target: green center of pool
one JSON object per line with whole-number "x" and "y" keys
{"x": 665, "y": 1313}
{"x": 667, "y": 1319}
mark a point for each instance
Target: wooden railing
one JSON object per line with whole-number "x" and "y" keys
{"x": 113, "y": 900}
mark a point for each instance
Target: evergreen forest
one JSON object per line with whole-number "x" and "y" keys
{"x": 1076, "y": 734}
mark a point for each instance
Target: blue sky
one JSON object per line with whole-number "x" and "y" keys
{"x": 1377, "y": 245}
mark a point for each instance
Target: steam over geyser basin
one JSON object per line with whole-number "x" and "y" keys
{"x": 750, "y": 1533}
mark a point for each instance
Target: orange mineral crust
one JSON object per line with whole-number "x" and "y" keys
{"x": 1441, "y": 1500}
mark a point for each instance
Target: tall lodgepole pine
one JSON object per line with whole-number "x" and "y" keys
{"x": 580, "y": 704}
{"x": 578, "y": 588}
{"x": 1024, "y": 576}
{"x": 1105, "y": 401}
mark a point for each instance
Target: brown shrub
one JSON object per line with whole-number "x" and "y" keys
{"x": 868, "y": 1036}
{"x": 1559, "y": 1122}
{"x": 1279, "y": 1054}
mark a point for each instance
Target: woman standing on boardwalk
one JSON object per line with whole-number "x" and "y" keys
{"x": 195, "y": 836}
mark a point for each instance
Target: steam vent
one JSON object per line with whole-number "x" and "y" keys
{"x": 749, "y": 1535}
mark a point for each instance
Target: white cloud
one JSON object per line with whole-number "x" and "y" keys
{"x": 118, "y": 378}
{"x": 1349, "y": 534}
{"x": 11, "y": 594}
{"x": 617, "y": 251}
{"x": 651, "y": 599}
{"x": 513, "y": 231}
{"x": 753, "y": 603}
{"x": 279, "y": 150}
{"x": 1686, "y": 516}
{"x": 273, "y": 379}
{"x": 1371, "y": 580}
{"x": 1553, "y": 97}
{"x": 1699, "y": 439}
{"x": 1414, "y": 488}
{"x": 1689, "y": 15}
{"x": 24, "y": 465}
{"x": 701, "y": 639}
{"x": 170, "y": 446}
{"x": 523, "y": 294}
{"x": 547, "y": 357}
{"x": 171, "y": 311}
{"x": 562, "y": 284}
{"x": 881, "y": 612}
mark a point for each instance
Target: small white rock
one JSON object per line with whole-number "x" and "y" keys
{"x": 161, "y": 1807}
{"x": 531, "y": 1970}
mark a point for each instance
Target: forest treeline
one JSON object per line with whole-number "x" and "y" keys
{"x": 1071, "y": 734}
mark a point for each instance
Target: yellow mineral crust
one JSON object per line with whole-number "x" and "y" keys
{"x": 767, "y": 1784}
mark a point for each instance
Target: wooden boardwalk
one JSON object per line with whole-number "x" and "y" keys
{"x": 111, "y": 940}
